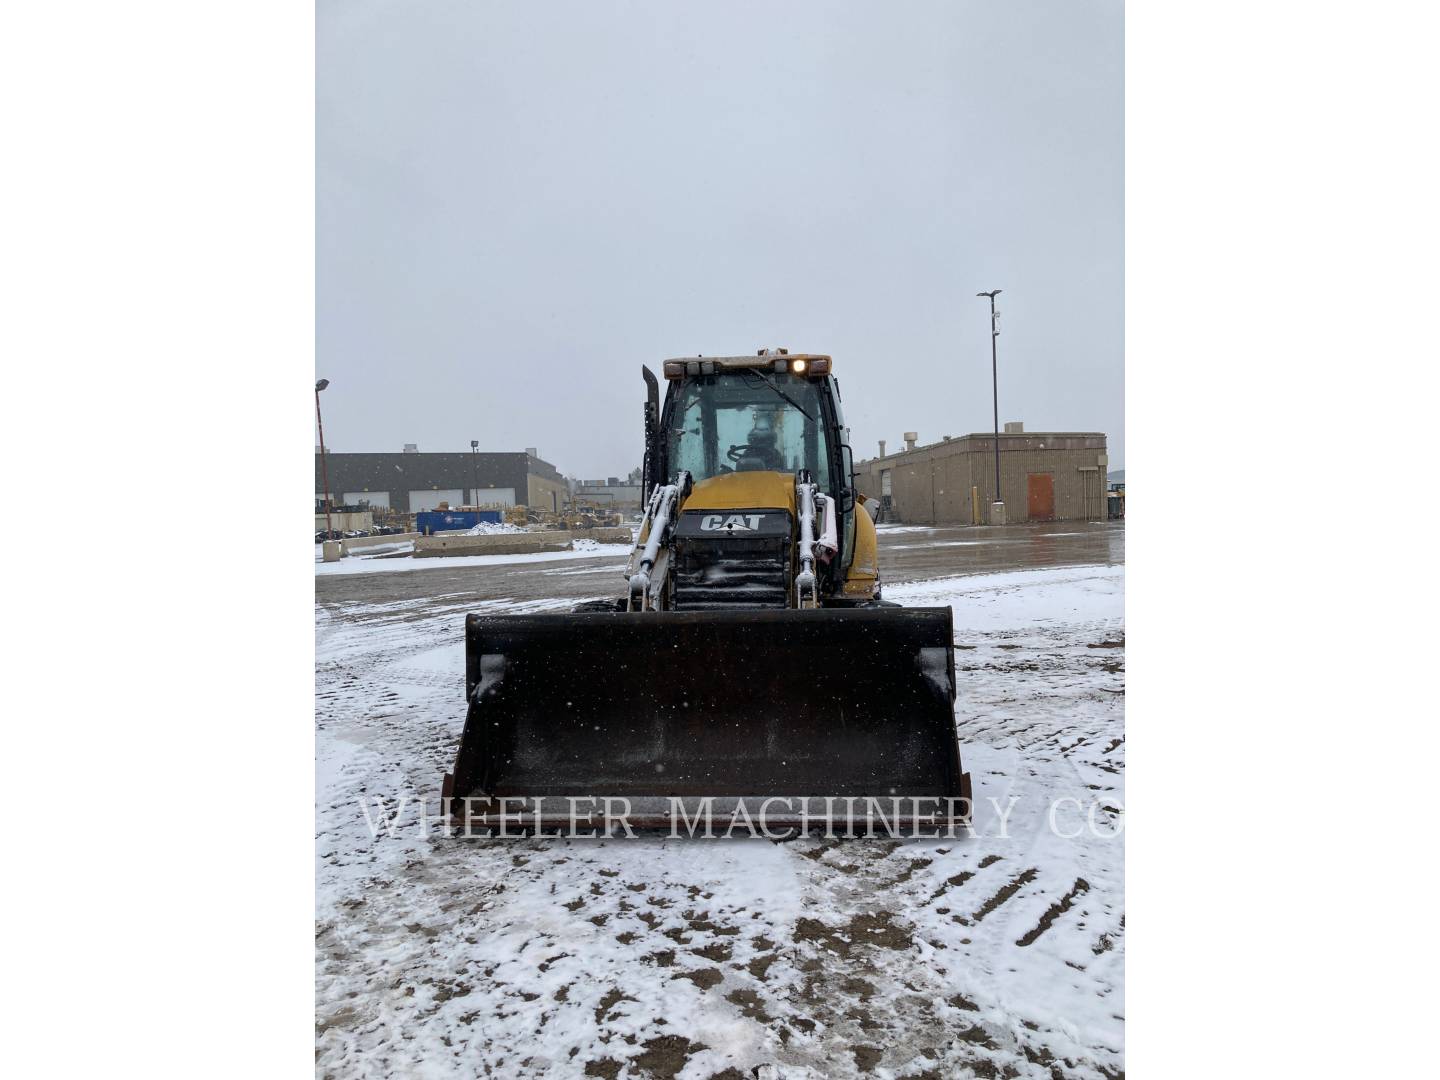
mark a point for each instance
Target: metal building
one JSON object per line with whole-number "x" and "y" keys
{"x": 411, "y": 481}
{"x": 1044, "y": 476}
{"x": 618, "y": 493}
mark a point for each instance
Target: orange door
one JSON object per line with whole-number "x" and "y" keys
{"x": 1041, "y": 491}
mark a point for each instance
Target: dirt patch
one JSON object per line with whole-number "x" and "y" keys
{"x": 963, "y": 1003}
{"x": 444, "y": 993}
{"x": 875, "y": 929}
{"x": 612, "y": 998}
{"x": 663, "y": 958}
{"x": 664, "y": 1057}
{"x": 819, "y": 851}
{"x": 986, "y": 1070}
{"x": 867, "y": 1057}
{"x": 750, "y": 1004}
{"x": 950, "y": 883}
{"x": 989, "y": 860}
{"x": 817, "y": 931}
{"x": 1106, "y": 941}
{"x": 760, "y": 966}
{"x": 715, "y": 952}
{"x": 1107, "y": 644}
{"x": 978, "y": 1035}
{"x": 909, "y": 871}
{"x": 703, "y": 925}
{"x": 1054, "y": 911}
{"x": 879, "y": 930}
{"x": 1005, "y": 894}
{"x": 702, "y": 977}
{"x": 1037, "y": 1055}
{"x": 606, "y": 1068}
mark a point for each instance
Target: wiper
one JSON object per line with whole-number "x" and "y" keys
{"x": 795, "y": 404}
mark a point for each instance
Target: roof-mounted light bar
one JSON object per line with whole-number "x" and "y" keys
{"x": 776, "y": 360}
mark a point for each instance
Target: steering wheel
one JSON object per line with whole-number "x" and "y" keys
{"x": 735, "y": 453}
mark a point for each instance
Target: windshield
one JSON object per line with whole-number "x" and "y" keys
{"x": 749, "y": 421}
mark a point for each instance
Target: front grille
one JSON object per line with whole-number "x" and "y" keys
{"x": 730, "y": 573}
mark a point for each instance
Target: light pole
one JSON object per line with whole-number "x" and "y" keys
{"x": 995, "y": 390}
{"x": 324, "y": 471}
{"x": 475, "y": 470}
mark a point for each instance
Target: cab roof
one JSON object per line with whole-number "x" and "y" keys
{"x": 764, "y": 359}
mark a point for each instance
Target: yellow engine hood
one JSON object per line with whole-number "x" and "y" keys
{"x": 744, "y": 491}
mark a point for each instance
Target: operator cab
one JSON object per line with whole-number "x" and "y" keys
{"x": 771, "y": 412}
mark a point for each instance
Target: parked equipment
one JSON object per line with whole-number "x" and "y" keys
{"x": 1115, "y": 501}
{"x": 751, "y": 654}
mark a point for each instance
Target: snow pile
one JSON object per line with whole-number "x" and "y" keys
{"x": 491, "y": 528}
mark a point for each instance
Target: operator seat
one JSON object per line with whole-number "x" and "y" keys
{"x": 760, "y": 454}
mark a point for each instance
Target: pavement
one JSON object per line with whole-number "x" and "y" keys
{"x": 907, "y": 553}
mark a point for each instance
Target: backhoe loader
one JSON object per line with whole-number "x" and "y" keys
{"x": 750, "y": 662}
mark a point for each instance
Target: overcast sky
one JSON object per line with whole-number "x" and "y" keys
{"x": 520, "y": 203}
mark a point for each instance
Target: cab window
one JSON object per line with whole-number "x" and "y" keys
{"x": 749, "y": 422}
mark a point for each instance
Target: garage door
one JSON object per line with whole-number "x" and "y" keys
{"x": 431, "y": 500}
{"x": 493, "y": 496}
{"x": 376, "y": 499}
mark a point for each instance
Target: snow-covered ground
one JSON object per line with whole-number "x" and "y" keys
{"x": 1000, "y": 954}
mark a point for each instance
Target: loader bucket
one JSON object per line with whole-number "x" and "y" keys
{"x": 838, "y": 702}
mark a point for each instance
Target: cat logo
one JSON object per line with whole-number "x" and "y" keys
{"x": 730, "y": 522}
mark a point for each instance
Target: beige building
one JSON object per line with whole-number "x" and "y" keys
{"x": 1044, "y": 476}
{"x": 546, "y": 492}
